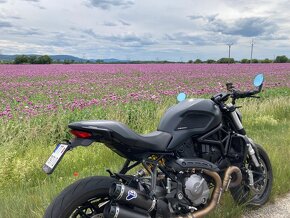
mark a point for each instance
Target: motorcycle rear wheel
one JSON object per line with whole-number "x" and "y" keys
{"x": 84, "y": 198}
{"x": 244, "y": 195}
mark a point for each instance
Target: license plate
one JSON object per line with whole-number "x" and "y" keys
{"x": 55, "y": 158}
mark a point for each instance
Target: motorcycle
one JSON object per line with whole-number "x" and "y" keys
{"x": 199, "y": 150}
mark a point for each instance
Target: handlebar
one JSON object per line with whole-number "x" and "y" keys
{"x": 240, "y": 94}
{"x": 235, "y": 94}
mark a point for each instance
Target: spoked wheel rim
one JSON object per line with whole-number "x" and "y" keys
{"x": 260, "y": 193}
{"x": 260, "y": 179}
{"x": 92, "y": 208}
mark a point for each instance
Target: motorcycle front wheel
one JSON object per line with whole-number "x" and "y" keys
{"x": 259, "y": 193}
{"x": 84, "y": 198}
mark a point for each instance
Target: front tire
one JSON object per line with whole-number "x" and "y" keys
{"x": 244, "y": 195}
{"x": 86, "y": 196}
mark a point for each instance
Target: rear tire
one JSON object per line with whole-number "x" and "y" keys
{"x": 242, "y": 193}
{"x": 83, "y": 193}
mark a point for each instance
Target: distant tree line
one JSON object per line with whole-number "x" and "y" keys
{"x": 278, "y": 59}
{"x": 25, "y": 59}
{"x": 45, "y": 59}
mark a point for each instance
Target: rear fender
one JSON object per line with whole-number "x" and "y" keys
{"x": 80, "y": 142}
{"x": 98, "y": 135}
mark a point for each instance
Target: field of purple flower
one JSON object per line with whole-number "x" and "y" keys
{"x": 29, "y": 90}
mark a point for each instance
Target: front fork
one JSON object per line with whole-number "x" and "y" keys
{"x": 251, "y": 147}
{"x": 249, "y": 142}
{"x": 252, "y": 152}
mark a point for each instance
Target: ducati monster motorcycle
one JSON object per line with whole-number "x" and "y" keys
{"x": 199, "y": 150}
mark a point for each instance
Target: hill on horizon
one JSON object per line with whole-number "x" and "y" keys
{"x": 62, "y": 58}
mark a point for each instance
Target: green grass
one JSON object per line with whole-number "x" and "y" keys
{"x": 25, "y": 191}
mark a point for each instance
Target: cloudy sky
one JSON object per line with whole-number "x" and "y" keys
{"x": 145, "y": 29}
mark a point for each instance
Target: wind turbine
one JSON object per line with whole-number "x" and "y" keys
{"x": 252, "y": 48}
{"x": 230, "y": 45}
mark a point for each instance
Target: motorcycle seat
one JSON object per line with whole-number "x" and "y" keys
{"x": 154, "y": 141}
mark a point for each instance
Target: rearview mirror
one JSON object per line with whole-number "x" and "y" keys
{"x": 258, "y": 80}
{"x": 181, "y": 96}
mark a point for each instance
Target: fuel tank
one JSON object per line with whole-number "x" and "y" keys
{"x": 189, "y": 118}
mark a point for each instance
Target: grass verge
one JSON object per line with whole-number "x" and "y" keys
{"x": 25, "y": 191}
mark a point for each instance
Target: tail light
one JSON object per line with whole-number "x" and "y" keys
{"x": 81, "y": 134}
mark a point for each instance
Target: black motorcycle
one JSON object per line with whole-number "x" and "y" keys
{"x": 199, "y": 151}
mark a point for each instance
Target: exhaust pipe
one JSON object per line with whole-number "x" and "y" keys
{"x": 118, "y": 211}
{"x": 127, "y": 195}
{"x": 228, "y": 183}
{"x": 219, "y": 188}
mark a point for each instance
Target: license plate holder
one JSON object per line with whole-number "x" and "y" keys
{"x": 55, "y": 158}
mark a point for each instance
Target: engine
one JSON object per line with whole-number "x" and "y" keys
{"x": 196, "y": 189}
{"x": 193, "y": 193}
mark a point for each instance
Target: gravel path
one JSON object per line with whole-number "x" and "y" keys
{"x": 279, "y": 209}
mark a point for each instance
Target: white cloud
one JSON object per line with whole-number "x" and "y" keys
{"x": 107, "y": 4}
